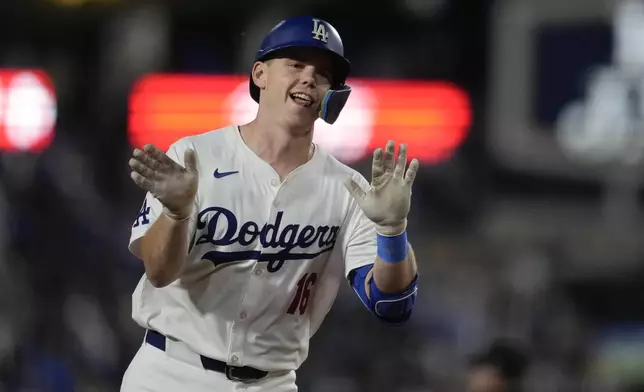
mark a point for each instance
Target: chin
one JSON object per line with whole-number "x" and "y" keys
{"x": 301, "y": 120}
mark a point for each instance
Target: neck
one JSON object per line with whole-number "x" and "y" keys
{"x": 283, "y": 148}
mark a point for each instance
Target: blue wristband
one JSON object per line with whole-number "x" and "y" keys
{"x": 393, "y": 249}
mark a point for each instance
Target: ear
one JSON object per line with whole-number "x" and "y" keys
{"x": 259, "y": 74}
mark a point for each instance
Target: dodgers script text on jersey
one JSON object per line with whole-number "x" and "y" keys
{"x": 266, "y": 258}
{"x": 270, "y": 236}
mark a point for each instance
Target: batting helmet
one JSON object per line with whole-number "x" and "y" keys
{"x": 309, "y": 32}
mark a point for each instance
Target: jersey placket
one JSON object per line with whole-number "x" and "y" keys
{"x": 254, "y": 290}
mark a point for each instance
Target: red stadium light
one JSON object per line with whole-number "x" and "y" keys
{"x": 433, "y": 118}
{"x": 27, "y": 110}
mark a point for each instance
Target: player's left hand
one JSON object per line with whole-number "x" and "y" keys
{"x": 388, "y": 201}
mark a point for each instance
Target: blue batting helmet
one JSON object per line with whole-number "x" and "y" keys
{"x": 310, "y": 32}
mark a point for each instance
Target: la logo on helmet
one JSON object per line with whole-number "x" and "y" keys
{"x": 319, "y": 31}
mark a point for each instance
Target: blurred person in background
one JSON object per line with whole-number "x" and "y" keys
{"x": 500, "y": 368}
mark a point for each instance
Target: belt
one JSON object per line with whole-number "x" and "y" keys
{"x": 234, "y": 373}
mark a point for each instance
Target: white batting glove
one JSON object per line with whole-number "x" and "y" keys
{"x": 388, "y": 201}
{"x": 173, "y": 185}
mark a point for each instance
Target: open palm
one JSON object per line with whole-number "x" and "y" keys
{"x": 173, "y": 185}
{"x": 388, "y": 201}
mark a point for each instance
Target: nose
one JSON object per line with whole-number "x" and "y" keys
{"x": 308, "y": 76}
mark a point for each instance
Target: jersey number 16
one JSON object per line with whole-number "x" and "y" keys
{"x": 301, "y": 300}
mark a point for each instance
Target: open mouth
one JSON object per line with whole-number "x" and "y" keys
{"x": 302, "y": 99}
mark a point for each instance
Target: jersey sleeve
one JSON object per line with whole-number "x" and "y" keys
{"x": 358, "y": 241}
{"x": 152, "y": 207}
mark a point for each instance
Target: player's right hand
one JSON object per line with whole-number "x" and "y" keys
{"x": 173, "y": 185}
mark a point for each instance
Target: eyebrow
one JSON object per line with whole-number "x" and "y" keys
{"x": 322, "y": 64}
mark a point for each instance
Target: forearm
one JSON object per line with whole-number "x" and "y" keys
{"x": 395, "y": 266}
{"x": 164, "y": 249}
{"x": 395, "y": 277}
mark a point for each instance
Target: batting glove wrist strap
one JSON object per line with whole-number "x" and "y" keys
{"x": 391, "y": 230}
{"x": 180, "y": 216}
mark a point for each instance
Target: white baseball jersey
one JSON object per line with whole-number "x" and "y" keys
{"x": 266, "y": 258}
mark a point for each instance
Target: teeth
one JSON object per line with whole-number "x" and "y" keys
{"x": 302, "y": 96}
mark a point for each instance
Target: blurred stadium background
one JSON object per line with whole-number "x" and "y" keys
{"x": 527, "y": 221}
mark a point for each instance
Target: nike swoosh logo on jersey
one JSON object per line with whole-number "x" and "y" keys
{"x": 224, "y": 174}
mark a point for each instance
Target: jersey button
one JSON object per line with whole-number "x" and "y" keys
{"x": 258, "y": 272}
{"x": 243, "y": 315}
{"x": 274, "y": 182}
{"x": 234, "y": 359}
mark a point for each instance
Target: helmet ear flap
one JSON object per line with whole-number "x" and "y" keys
{"x": 333, "y": 103}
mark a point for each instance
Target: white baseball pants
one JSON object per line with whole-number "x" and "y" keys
{"x": 154, "y": 370}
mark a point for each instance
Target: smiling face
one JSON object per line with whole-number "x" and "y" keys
{"x": 293, "y": 85}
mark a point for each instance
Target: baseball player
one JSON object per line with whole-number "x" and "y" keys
{"x": 247, "y": 232}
